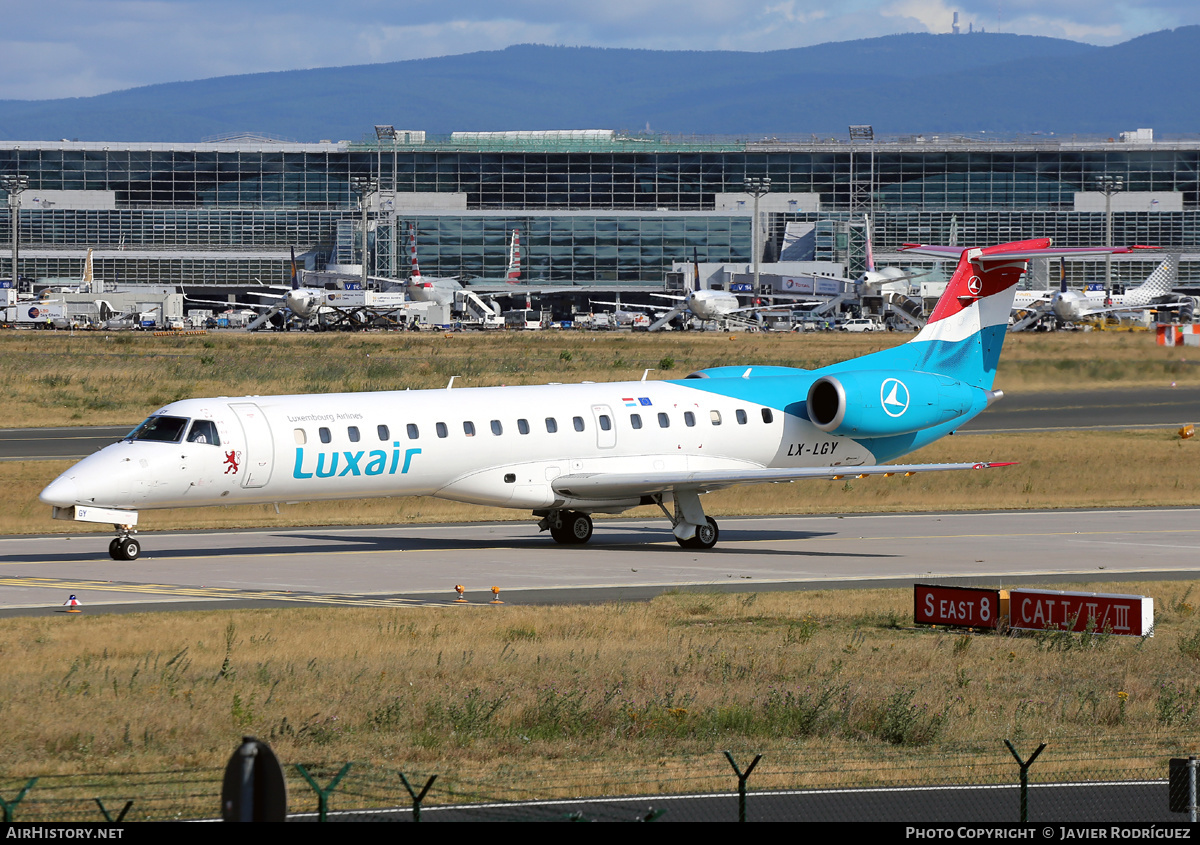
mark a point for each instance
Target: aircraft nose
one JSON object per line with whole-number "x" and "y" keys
{"x": 62, "y": 491}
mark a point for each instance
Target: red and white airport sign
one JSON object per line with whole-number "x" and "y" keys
{"x": 961, "y": 607}
{"x": 1049, "y": 610}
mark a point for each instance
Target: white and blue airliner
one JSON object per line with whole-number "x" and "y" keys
{"x": 566, "y": 452}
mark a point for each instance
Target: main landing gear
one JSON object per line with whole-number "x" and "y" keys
{"x": 692, "y": 529}
{"x": 124, "y": 547}
{"x": 706, "y": 536}
{"x": 570, "y": 528}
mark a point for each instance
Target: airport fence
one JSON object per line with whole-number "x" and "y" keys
{"x": 1069, "y": 780}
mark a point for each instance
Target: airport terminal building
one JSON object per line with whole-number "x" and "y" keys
{"x": 593, "y": 207}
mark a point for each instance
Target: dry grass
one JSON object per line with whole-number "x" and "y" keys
{"x": 95, "y": 379}
{"x": 1057, "y": 470}
{"x": 609, "y": 696}
{"x": 473, "y": 692}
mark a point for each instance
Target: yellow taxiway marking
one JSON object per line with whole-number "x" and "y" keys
{"x": 218, "y": 592}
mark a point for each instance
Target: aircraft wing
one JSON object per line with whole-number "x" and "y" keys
{"x": 626, "y": 485}
{"x": 624, "y": 305}
{"x": 952, "y": 253}
{"x": 497, "y": 294}
{"x": 236, "y": 305}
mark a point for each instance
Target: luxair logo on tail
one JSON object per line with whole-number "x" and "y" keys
{"x": 340, "y": 464}
{"x": 893, "y": 395}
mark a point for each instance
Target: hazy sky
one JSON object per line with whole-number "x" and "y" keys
{"x": 77, "y": 48}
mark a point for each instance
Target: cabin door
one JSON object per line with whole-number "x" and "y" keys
{"x": 259, "y": 456}
{"x": 606, "y": 426}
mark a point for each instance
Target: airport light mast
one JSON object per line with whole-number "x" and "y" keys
{"x": 757, "y": 187}
{"x": 363, "y": 186}
{"x": 1108, "y": 185}
{"x": 862, "y": 198}
{"x": 15, "y": 185}
{"x": 387, "y": 132}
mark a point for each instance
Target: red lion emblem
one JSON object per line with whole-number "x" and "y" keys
{"x": 231, "y": 463}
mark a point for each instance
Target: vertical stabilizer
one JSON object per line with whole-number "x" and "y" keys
{"x": 513, "y": 274}
{"x": 1159, "y": 283}
{"x": 870, "y": 249}
{"x": 415, "y": 269}
{"x": 88, "y": 284}
{"x": 966, "y": 330}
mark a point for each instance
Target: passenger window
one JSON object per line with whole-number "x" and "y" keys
{"x": 497, "y": 429}
{"x": 469, "y": 428}
{"x": 352, "y": 432}
{"x": 741, "y": 416}
{"x": 768, "y": 417}
{"x": 689, "y": 419}
{"x": 300, "y": 436}
{"x": 523, "y": 426}
{"x": 551, "y": 425}
{"x": 442, "y": 430}
{"x": 605, "y": 423}
{"x": 382, "y": 431}
{"x": 635, "y": 420}
{"x": 204, "y": 431}
{"x": 326, "y": 437}
{"x": 578, "y": 421}
{"x": 715, "y": 416}
{"x": 413, "y": 432}
{"x": 664, "y": 421}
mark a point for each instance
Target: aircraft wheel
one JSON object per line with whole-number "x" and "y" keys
{"x": 579, "y": 527}
{"x": 127, "y": 549}
{"x": 114, "y": 548}
{"x": 706, "y": 536}
{"x": 561, "y": 533}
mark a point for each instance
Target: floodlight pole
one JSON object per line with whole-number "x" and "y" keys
{"x": 15, "y": 185}
{"x": 363, "y": 186}
{"x": 757, "y": 187}
{"x": 387, "y": 132}
{"x": 1108, "y": 185}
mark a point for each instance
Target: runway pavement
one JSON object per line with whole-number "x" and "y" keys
{"x": 416, "y": 565}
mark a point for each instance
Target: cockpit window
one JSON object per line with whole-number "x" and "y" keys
{"x": 159, "y": 430}
{"x": 204, "y": 431}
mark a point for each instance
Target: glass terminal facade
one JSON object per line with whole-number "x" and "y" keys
{"x": 607, "y": 210}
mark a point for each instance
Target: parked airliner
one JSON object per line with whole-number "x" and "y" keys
{"x": 566, "y": 452}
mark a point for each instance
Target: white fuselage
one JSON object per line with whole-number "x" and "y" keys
{"x": 1073, "y": 305}
{"x": 712, "y": 304}
{"x": 414, "y": 443}
{"x": 439, "y": 290}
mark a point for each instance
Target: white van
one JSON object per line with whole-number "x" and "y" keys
{"x": 862, "y": 324}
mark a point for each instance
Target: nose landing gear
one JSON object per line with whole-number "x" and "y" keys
{"x": 123, "y": 546}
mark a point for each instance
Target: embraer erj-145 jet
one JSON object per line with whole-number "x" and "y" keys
{"x": 566, "y": 452}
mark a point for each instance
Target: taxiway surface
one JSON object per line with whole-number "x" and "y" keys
{"x": 412, "y": 565}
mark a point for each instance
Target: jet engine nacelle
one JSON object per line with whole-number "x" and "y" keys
{"x": 874, "y": 403}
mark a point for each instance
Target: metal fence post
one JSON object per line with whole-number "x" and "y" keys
{"x": 742, "y": 776}
{"x": 1024, "y": 776}
{"x": 323, "y": 794}
{"x": 415, "y": 797}
{"x": 10, "y": 807}
{"x": 108, "y": 816}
